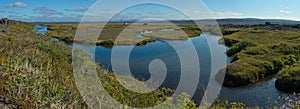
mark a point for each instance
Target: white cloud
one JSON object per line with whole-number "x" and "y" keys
{"x": 209, "y": 15}
{"x": 80, "y": 9}
{"x": 227, "y": 14}
{"x": 46, "y": 11}
{"x": 284, "y": 11}
{"x": 17, "y": 4}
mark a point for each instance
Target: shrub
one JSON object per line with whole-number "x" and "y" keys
{"x": 286, "y": 49}
{"x": 230, "y": 42}
{"x": 290, "y": 60}
{"x": 144, "y": 42}
{"x": 278, "y": 64}
{"x": 239, "y": 47}
{"x": 289, "y": 79}
{"x": 257, "y": 50}
{"x": 106, "y": 43}
{"x": 228, "y": 32}
{"x": 246, "y": 71}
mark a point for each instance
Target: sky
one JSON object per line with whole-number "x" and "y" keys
{"x": 74, "y": 10}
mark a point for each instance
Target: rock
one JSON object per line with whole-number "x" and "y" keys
{"x": 7, "y": 104}
{"x": 125, "y": 24}
{"x": 2, "y": 67}
{"x": 5, "y": 21}
{"x": 287, "y": 84}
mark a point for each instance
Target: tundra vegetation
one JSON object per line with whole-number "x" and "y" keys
{"x": 262, "y": 51}
{"x": 119, "y": 34}
{"x": 36, "y": 72}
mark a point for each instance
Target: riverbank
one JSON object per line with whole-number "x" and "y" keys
{"x": 274, "y": 95}
{"x": 36, "y": 72}
{"x": 112, "y": 33}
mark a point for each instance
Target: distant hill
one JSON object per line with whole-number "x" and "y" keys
{"x": 241, "y": 21}
{"x": 256, "y": 21}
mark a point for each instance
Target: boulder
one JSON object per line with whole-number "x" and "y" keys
{"x": 5, "y": 21}
{"x": 8, "y": 104}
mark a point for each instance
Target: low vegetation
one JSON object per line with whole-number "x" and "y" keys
{"x": 257, "y": 54}
{"x": 289, "y": 79}
{"x": 144, "y": 42}
{"x": 120, "y": 33}
{"x": 191, "y": 30}
{"x": 106, "y": 43}
{"x": 64, "y": 32}
{"x": 36, "y": 72}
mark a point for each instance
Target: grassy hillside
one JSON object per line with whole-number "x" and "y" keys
{"x": 36, "y": 72}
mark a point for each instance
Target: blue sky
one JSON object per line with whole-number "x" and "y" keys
{"x": 73, "y": 10}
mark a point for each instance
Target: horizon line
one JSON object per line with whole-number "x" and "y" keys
{"x": 135, "y": 20}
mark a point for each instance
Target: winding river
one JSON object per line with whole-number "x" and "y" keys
{"x": 262, "y": 94}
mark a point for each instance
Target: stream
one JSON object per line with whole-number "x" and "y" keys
{"x": 262, "y": 94}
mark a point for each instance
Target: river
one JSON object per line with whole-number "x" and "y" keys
{"x": 262, "y": 94}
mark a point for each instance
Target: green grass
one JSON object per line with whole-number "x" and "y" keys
{"x": 112, "y": 31}
{"x": 144, "y": 42}
{"x": 36, "y": 72}
{"x": 106, "y": 43}
{"x": 239, "y": 47}
{"x": 257, "y": 54}
{"x": 63, "y": 32}
{"x": 191, "y": 30}
{"x": 289, "y": 79}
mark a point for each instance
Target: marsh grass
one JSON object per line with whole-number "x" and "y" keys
{"x": 257, "y": 54}
{"x": 122, "y": 35}
{"x": 36, "y": 72}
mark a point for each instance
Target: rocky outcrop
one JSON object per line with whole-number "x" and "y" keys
{"x": 287, "y": 84}
{"x": 4, "y": 23}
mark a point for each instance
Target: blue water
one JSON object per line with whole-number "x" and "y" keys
{"x": 263, "y": 94}
{"x": 41, "y": 29}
